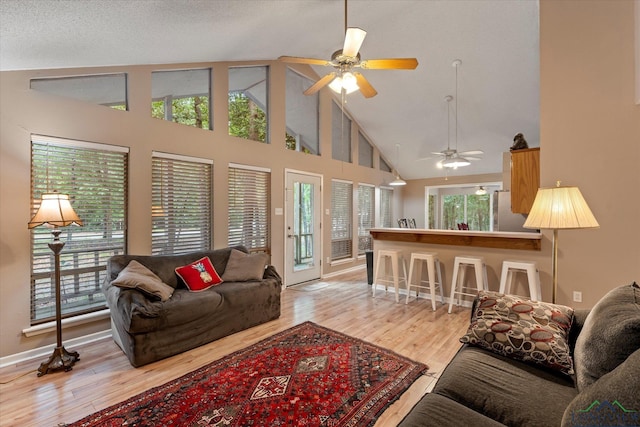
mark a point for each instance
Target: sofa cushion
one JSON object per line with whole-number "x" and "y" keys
{"x": 531, "y": 331}
{"x": 184, "y": 307}
{"x": 610, "y": 334}
{"x": 508, "y": 391}
{"x": 137, "y": 276}
{"x": 439, "y": 411}
{"x": 242, "y": 267}
{"x": 199, "y": 275}
{"x": 615, "y": 394}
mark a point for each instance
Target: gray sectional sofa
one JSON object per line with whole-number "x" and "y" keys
{"x": 489, "y": 387}
{"x": 148, "y": 329}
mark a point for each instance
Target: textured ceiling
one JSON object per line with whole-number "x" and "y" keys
{"x": 497, "y": 41}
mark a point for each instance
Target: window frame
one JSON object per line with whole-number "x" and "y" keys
{"x": 341, "y": 220}
{"x": 164, "y": 206}
{"x": 104, "y": 222}
{"x": 365, "y": 240}
{"x": 261, "y": 181}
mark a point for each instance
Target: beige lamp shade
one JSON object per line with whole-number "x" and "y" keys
{"x": 560, "y": 208}
{"x": 55, "y": 210}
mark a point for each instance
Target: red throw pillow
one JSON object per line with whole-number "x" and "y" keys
{"x": 199, "y": 275}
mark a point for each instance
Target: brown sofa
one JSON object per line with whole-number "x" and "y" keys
{"x": 148, "y": 329}
{"x": 481, "y": 388}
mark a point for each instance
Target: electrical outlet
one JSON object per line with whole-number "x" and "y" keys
{"x": 577, "y": 296}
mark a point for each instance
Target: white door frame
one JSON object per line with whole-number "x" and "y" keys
{"x": 288, "y": 276}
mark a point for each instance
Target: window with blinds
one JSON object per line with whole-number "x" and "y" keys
{"x": 95, "y": 178}
{"x": 181, "y": 204}
{"x": 386, "y": 207}
{"x": 341, "y": 219}
{"x": 366, "y": 216}
{"x": 249, "y": 207}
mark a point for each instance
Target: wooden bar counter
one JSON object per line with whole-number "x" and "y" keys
{"x": 495, "y": 247}
{"x": 481, "y": 239}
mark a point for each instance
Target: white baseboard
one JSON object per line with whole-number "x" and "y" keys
{"x": 347, "y": 270}
{"x": 44, "y": 352}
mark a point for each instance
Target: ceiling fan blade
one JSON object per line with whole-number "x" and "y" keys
{"x": 471, "y": 153}
{"x": 353, "y": 40}
{"x": 320, "y": 84}
{"x": 299, "y": 60}
{"x": 472, "y": 158}
{"x": 390, "y": 64}
{"x": 365, "y": 87}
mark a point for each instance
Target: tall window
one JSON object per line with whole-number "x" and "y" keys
{"x": 249, "y": 207}
{"x": 341, "y": 219}
{"x": 248, "y": 103}
{"x": 302, "y": 115}
{"x": 95, "y": 177}
{"x": 386, "y": 207}
{"x": 365, "y": 151}
{"x": 340, "y": 135}
{"x": 366, "y": 220}
{"x": 182, "y": 96}
{"x": 181, "y": 198}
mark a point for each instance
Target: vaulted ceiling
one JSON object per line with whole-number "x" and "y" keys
{"x": 496, "y": 40}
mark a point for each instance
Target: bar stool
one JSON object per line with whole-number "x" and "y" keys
{"x": 433, "y": 267}
{"x": 395, "y": 256}
{"x": 458, "y": 287}
{"x": 509, "y": 268}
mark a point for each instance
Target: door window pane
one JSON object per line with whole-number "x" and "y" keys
{"x": 303, "y": 224}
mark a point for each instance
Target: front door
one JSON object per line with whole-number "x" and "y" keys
{"x": 302, "y": 225}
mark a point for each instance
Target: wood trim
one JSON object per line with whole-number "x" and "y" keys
{"x": 482, "y": 240}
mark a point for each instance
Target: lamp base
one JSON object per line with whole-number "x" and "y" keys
{"x": 60, "y": 359}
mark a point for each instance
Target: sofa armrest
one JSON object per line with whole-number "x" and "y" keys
{"x": 579, "y": 317}
{"x": 271, "y": 273}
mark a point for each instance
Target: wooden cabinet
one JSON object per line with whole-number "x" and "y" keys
{"x": 525, "y": 179}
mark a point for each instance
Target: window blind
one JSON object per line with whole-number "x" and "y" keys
{"x": 366, "y": 217}
{"x": 386, "y": 207}
{"x": 95, "y": 178}
{"x": 341, "y": 219}
{"x": 249, "y": 208}
{"x": 181, "y": 204}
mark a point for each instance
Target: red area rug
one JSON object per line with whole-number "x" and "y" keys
{"x": 307, "y": 375}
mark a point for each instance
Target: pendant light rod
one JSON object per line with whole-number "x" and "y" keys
{"x": 456, "y": 63}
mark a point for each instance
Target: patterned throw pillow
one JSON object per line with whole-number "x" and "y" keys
{"x": 199, "y": 275}
{"x": 530, "y": 331}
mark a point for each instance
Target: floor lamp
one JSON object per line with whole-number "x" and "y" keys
{"x": 55, "y": 211}
{"x": 559, "y": 208}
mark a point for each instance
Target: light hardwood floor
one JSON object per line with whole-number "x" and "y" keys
{"x": 104, "y": 377}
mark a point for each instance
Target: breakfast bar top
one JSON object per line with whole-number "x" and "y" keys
{"x": 485, "y": 239}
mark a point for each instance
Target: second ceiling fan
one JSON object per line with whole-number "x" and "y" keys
{"x": 345, "y": 60}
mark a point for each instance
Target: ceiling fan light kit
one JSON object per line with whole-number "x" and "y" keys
{"x": 345, "y": 60}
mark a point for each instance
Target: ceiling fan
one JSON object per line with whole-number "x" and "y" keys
{"x": 345, "y": 60}
{"x": 451, "y": 157}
